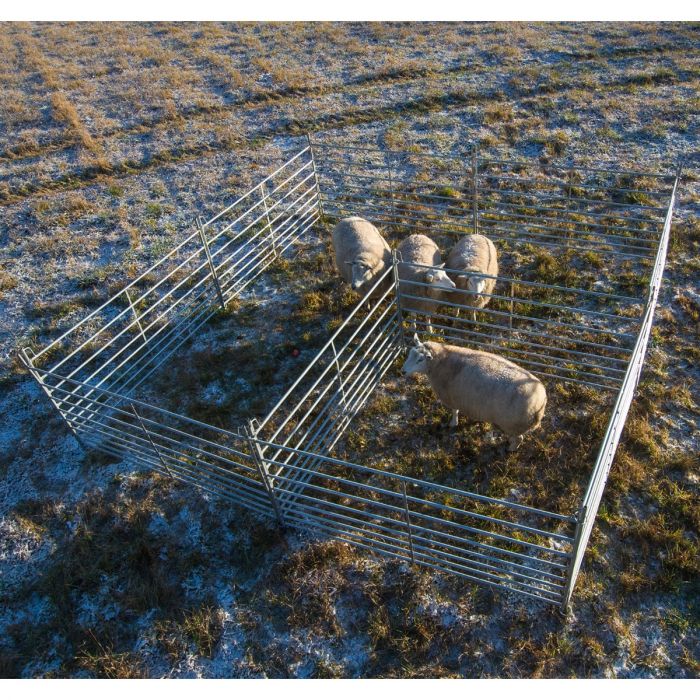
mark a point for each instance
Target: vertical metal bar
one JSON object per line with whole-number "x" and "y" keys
{"x": 397, "y": 294}
{"x": 136, "y": 316}
{"x": 394, "y": 216}
{"x": 203, "y": 238}
{"x": 150, "y": 439}
{"x": 408, "y": 521}
{"x": 337, "y": 369}
{"x": 262, "y": 470}
{"x": 313, "y": 165}
{"x": 263, "y": 197}
{"x": 571, "y": 574}
{"x": 475, "y": 189}
{"x": 512, "y": 293}
{"x": 27, "y": 362}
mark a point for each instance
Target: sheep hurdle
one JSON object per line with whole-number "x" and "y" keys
{"x": 284, "y": 466}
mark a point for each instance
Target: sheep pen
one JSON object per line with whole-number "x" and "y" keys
{"x": 437, "y": 497}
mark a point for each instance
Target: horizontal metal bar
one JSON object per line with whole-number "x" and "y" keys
{"x": 420, "y": 204}
{"x": 456, "y": 230}
{"x": 485, "y": 160}
{"x": 344, "y": 535}
{"x": 517, "y": 300}
{"x": 500, "y": 204}
{"x": 534, "y": 363}
{"x": 416, "y": 500}
{"x": 262, "y": 182}
{"x": 539, "y": 372}
{"x": 555, "y": 198}
{"x": 422, "y": 484}
{"x": 553, "y": 358}
{"x": 491, "y": 572}
{"x": 429, "y": 536}
{"x": 546, "y": 179}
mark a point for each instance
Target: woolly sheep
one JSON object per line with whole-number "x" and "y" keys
{"x": 473, "y": 253}
{"x": 419, "y": 250}
{"x": 361, "y": 254}
{"x": 483, "y": 386}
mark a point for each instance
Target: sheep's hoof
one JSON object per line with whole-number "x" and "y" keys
{"x": 514, "y": 443}
{"x": 490, "y": 438}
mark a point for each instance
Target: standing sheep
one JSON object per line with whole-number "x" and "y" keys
{"x": 361, "y": 254}
{"x": 483, "y": 386}
{"x": 414, "y": 251}
{"x": 474, "y": 253}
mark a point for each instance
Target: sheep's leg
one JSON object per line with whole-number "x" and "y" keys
{"x": 455, "y": 418}
{"x": 515, "y": 442}
{"x": 430, "y": 325}
{"x": 474, "y": 315}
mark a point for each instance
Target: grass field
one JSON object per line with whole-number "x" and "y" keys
{"x": 113, "y": 137}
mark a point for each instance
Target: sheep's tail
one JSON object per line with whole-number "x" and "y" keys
{"x": 539, "y": 415}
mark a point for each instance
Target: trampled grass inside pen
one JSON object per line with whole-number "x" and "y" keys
{"x": 553, "y": 311}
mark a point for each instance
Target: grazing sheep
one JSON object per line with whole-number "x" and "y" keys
{"x": 483, "y": 386}
{"x": 474, "y": 253}
{"x": 361, "y": 254}
{"x": 423, "y": 251}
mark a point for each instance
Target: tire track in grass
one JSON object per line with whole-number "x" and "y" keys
{"x": 387, "y": 77}
{"x": 454, "y": 99}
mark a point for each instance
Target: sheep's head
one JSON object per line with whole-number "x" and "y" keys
{"x": 473, "y": 283}
{"x": 365, "y": 267}
{"x": 418, "y": 358}
{"x": 438, "y": 280}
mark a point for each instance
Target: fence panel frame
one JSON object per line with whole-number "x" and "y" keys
{"x": 98, "y": 411}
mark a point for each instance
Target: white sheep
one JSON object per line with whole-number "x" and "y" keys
{"x": 413, "y": 252}
{"x": 361, "y": 253}
{"x": 483, "y": 386}
{"x": 473, "y": 254}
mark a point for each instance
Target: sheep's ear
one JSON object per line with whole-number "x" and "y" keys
{"x": 416, "y": 339}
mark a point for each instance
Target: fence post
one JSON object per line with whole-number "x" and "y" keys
{"x": 136, "y": 316}
{"x": 215, "y": 277}
{"x": 570, "y": 580}
{"x": 313, "y": 165}
{"x": 512, "y": 293}
{"x": 391, "y": 195}
{"x": 150, "y": 439}
{"x": 475, "y": 189}
{"x": 337, "y": 369}
{"x": 262, "y": 470}
{"x": 394, "y": 263}
{"x": 27, "y": 362}
{"x": 408, "y": 522}
{"x": 264, "y": 195}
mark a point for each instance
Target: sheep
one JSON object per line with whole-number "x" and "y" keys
{"x": 412, "y": 252}
{"x": 474, "y": 253}
{"x": 483, "y": 386}
{"x": 361, "y": 254}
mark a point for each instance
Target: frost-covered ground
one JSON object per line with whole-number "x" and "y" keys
{"x": 113, "y": 137}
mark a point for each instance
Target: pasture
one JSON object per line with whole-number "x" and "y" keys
{"x": 113, "y": 138}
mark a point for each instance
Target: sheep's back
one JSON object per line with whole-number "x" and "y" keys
{"x": 474, "y": 253}
{"x": 352, "y": 237}
{"x": 487, "y": 387}
{"x": 417, "y": 249}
